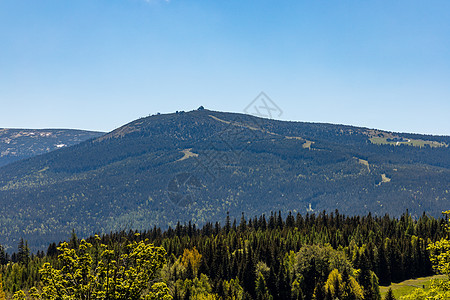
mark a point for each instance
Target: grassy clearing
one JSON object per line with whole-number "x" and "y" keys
{"x": 364, "y": 163}
{"x": 384, "y": 178}
{"x": 406, "y": 287}
{"x": 411, "y": 142}
{"x": 187, "y": 154}
{"x": 307, "y": 144}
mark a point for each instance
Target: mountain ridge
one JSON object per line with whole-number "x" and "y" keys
{"x": 21, "y": 143}
{"x": 198, "y": 165}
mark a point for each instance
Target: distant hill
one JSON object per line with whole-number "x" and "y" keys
{"x": 198, "y": 165}
{"x": 17, "y": 144}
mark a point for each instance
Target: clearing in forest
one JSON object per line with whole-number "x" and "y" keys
{"x": 408, "y": 286}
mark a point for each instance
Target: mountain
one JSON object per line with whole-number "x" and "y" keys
{"x": 198, "y": 165}
{"x": 17, "y": 144}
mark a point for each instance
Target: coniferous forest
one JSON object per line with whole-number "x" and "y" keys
{"x": 312, "y": 256}
{"x": 201, "y": 164}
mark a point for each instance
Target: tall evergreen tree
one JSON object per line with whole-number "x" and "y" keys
{"x": 384, "y": 272}
{"x": 3, "y": 258}
{"x": 23, "y": 255}
{"x": 389, "y": 295}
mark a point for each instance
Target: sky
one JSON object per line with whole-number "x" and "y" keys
{"x": 98, "y": 64}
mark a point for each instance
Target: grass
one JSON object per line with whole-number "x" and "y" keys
{"x": 406, "y": 287}
{"x": 414, "y": 143}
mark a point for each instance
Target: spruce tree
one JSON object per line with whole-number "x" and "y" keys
{"x": 319, "y": 293}
{"x": 3, "y": 259}
{"x": 73, "y": 242}
{"x": 249, "y": 276}
{"x": 23, "y": 255}
{"x": 389, "y": 295}
{"x": 383, "y": 267}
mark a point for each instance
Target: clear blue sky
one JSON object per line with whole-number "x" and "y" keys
{"x": 97, "y": 64}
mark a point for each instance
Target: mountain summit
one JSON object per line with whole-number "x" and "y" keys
{"x": 198, "y": 165}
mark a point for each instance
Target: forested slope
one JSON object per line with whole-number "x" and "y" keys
{"x": 17, "y": 144}
{"x": 198, "y": 165}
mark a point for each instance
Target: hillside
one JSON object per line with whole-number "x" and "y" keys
{"x": 199, "y": 165}
{"x": 17, "y": 144}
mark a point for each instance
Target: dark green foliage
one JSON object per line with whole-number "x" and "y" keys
{"x": 290, "y": 261}
{"x": 244, "y": 164}
{"x": 23, "y": 255}
{"x": 51, "y": 250}
{"x": 3, "y": 256}
{"x": 319, "y": 293}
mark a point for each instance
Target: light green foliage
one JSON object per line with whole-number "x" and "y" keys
{"x": 101, "y": 273}
{"x": 173, "y": 270}
{"x": 325, "y": 259}
{"x": 434, "y": 293}
{"x": 345, "y": 287}
{"x": 19, "y": 295}
{"x": 375, "y": 287}
{"x": 440, "y": 258}
{"x": 233, "y": 290}
{"x": 159, "y": 290}
{"x": 389, "y": 295}
{"x": 197, "y": 288}
{"x": 262, "y": 291}
{"x": 409, "y": 142}
{"x": 312, "y": 266}
{"x": 261, "y": 267}
{"x": 296, "y": 290}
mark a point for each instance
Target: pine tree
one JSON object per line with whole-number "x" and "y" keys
{"x": 297, "y": 293}
{"x": 175, "y": 293}
{"x": 365, "y": 278}
{"x": 242, "y": 224}
{"x": 282, "y": 284}
{"x": 3, "y": 258}
{"x": 189, "y": 271}
{"x": 389, "y": 295}
{"x": 51, "y": 250}
{"x": 73, "y": 242}
{"x": 228, "y": 223}
{"x": 262, "y": 293}
{"x": 383, "y": 267}
{"x": 23, "y": 255}
{"x": 187, "y": 294}
{"x": 328, "y": 295}
{"x": 319, "y": 293}
{"x": 249, "y": 277}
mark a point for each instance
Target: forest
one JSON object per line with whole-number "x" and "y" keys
{"x": 312, "y": 256}
{"x": 243, "y": 164}
{"x": 18, "y": 144}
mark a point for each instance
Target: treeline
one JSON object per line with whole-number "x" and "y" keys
{"x": 293, "y": 257}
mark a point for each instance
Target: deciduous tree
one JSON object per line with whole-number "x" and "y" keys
{"x": 81, "y": 274}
